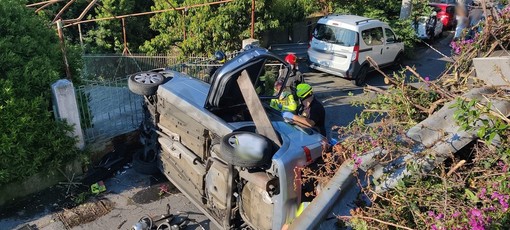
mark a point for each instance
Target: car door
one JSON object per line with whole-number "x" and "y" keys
{"x": 392, "y": 46}
{"x": 332, "y": 46}
{"x": 225, "y": 92}
{"x": 374, "y": 45}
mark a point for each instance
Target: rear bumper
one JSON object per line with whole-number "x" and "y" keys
{"x": 349, "y": 74}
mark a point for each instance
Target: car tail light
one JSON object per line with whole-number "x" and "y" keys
{"x": 355, "y": 53}
{"x": 308, "y": 154}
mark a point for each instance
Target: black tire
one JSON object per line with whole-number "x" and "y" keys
{"x": 145, "y": 83}
{"x": 361, "y": 77}
{"x": 232, "y": 152}
{"x": 145, "y": 163}
{"x": 398, "y": 62}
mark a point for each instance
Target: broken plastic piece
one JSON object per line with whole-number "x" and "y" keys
{"x": 98, "y": 187}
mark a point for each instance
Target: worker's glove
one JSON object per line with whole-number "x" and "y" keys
{"x": 288, "y": 115}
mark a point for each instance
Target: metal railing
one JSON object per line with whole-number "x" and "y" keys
{"x": 108, "y": 108}
{"x": 111, "y": 66}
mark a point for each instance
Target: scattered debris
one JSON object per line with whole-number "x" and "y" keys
{"x": 85, "y": 213}
{"x": 166, "y": 221}
{"x": 98, "y": 187}
{"x": 121, "y": 223}
{"x": 70, "y": 181}
{"x": 154, "y": 193}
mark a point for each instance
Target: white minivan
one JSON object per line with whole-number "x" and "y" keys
{"x": 341, "y": 43}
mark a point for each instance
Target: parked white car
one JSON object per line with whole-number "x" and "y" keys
{"x": 421, "y": 25}
{"x": 341, "y": 44}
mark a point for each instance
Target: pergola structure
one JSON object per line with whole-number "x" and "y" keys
{"x": 62, "y": 23}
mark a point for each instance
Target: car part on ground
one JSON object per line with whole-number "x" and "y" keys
{"x": 145, "y": 83}
{"x": 107, "y": 166}
{"x": 167, "y": 221}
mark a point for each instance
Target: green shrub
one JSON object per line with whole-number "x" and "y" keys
{"x": 30, "y": 61}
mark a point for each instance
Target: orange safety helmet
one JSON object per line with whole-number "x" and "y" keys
{"x": 291, "y": 59}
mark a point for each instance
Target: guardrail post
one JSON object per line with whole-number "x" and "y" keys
{"x": 66, "y": 108}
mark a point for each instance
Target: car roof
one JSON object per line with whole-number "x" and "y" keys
{"x": 350, "y": 21}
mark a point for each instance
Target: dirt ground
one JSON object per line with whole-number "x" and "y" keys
{"x": 129, "y": 197}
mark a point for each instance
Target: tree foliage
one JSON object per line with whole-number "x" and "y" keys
{"x": 210, "y": 28}
{"x": 30, "y": 60}
{"x": 106, "y": 36}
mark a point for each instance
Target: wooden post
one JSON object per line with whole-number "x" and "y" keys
{"x": 63, "y": 47}
{"x": 257, "y": 111}
{"x": 252, "y": 19}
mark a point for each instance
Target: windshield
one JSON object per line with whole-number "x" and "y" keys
{"x": 336, "y": 35}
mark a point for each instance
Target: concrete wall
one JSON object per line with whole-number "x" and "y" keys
{"x": 38, "y": 182}
{"x": 43, "y": 180}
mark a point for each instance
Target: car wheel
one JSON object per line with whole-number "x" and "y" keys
{"x": 361, "y": 78}
{"x": 145, "y": 163}
{"x": 398, "y": 62}
{"x": 145, "y": 83}
{"x": 246, "y": 149}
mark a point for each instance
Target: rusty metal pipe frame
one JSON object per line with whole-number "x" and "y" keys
{"x": 43, "y": 3}
{"x": 148, "y": 13}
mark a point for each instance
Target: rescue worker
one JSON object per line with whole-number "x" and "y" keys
{"x": 219, "y": 58}
{"x": 295, "y": 77}
{"x": 461, "y": 15}
{"x": 310, "y": 113}
{"x": 285, "y": 102}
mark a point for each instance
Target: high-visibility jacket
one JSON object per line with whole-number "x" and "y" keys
{"x": 285, "y": 103}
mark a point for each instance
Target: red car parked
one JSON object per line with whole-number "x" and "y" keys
{"x": 445, "y": 12}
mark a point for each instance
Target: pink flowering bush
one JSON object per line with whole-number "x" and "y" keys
{"x": 457, "y": 46}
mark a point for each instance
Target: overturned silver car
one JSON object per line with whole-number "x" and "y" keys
{"x": 223, "y": 146}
